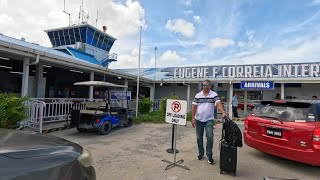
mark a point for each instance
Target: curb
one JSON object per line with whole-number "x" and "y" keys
{"x": 238, "y": 119}
{"x": 47, "y": 131}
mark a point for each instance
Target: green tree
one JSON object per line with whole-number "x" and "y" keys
{"x": 144, "y": 105}
{"x": 163, "y": 102}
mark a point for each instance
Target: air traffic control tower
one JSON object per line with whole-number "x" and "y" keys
{"x": 84, "y": 42}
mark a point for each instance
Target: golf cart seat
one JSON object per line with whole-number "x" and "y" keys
{"x": 118, "y": 110}
{"x": 94, "y": 108}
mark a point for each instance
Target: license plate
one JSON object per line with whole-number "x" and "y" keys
{"x": 274, "y": 132}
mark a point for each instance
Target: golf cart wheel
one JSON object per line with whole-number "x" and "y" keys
{"x": 105, "y": 128}
{"x": 129, "y": 122}
{"x": 82, "y": 130}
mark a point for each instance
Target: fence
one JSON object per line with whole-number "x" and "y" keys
{"x": 47, "y": 110}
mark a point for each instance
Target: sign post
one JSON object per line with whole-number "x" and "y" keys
{"x": 171, "y": 149}
{"x": 176, "y": 114}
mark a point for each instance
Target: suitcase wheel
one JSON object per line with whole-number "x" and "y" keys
{"x": 221, "y": 172}
{"x": 234, "y": 174}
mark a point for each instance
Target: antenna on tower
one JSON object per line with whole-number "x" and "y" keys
{"x": 64, "y": 10}
{"x": 84, "y": 16}
{"x": 97, "y": 18}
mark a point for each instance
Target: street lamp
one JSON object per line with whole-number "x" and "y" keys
{"x": 137, "y": 98}
{"x": 155, "y": 57}
{"x": 155, "y": 61}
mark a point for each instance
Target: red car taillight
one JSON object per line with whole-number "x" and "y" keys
{"x": 246, "y": 123}
{"x": 316, "y": 136}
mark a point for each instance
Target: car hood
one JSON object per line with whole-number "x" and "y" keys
{"x": 23, "y": 144}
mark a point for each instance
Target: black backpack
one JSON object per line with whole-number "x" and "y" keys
{"x": 231, "y": 133}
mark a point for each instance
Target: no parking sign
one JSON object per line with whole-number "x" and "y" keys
{"x": 176, "y": 112}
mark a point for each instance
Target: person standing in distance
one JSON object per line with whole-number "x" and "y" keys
{"x": 235, "y": 104}
{"x": 203, "y": 115}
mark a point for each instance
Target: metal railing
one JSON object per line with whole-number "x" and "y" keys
{"x": 47, "y": 110}
{"x": 34, "y": 114}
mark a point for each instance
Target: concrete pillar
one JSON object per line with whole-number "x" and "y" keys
{"x": 25, "y": 77}
{"x": 188, "y": 98}
{"x": 40, "y": 92}
{"x": 199, "y": 86}
{"x": 91, "y": 87}
{"x": 152, "y": 94}
{"x": 152, "y": 91}
{"x": 215, "y": 88}
{"x": 230, "y": 100}
{"x": 282, "y": 91}
{"x": 126, "y": 83}
{"x": 125, "y": 103}
{"x": 245, "y": 102}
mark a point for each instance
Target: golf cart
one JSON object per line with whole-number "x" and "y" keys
{"x": 99, "y": 114}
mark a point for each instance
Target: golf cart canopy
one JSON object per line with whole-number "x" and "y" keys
{"x": 98, "y": 84}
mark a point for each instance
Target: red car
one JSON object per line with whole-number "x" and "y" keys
{"x": 250, "y": 106}
{"x": 288, "y": 129}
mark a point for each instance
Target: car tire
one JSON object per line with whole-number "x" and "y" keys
{"x": 129, "y": 122}
{"x": 105, "y": 128}
{"x": 82, "y": 130}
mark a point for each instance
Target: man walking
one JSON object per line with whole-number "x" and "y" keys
{"x": 202, "y": 117}
{"x": 235, "y": 105}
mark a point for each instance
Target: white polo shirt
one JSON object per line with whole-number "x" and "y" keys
{"x": 205, "y": 105}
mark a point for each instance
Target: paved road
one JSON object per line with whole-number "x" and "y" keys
{"x": 136, "y": 153}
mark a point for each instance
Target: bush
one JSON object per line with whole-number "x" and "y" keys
{"x": 12, "y": 110}
{"x": 144, "y": 105}
{"x": 151, "y": 117}
{"x": 163, "y": 102}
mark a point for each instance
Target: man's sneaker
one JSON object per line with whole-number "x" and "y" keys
{"x": 200, "y": 157}
{"x": 210, "y": 161}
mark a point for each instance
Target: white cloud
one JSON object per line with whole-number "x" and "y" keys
{"x": 250, "y": 34}
{"x": 122, "y": 20}
{"x": 188, "y": 12}
{"x": 187, "y": 2}
{"x": 181, "y": 26}
{"x": 216, "y": 43}
{"x": 197, "y": 18}
{"x": 6, "y": 21}
{"x": 315, "y": 3}
{"x": 169, "y": 58}
{"x": 306, "y": 51}
{"x": 241, "y": 44}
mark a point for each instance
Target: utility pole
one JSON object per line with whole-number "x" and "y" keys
{"x": 138, "y": 77}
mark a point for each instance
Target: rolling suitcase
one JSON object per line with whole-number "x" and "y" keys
{"x": 228, "y": 152}
{"x": 228, "y": 158}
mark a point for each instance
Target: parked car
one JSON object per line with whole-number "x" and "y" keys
{"x": 250, "y": 105}
{"x": 286, "y": 128}
{"x": 28, "y": 155}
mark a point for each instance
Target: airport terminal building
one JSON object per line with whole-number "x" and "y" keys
{"x": 81, "y": 53}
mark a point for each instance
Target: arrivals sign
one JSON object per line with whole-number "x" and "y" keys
{"x": 257, "y": 85}
{"x": 176, "y": 112}
{"x": 247, "y": 71}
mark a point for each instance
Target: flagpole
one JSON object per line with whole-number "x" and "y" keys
{"x": 138, "y": 77}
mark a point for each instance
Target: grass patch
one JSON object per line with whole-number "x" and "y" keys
{"x": 151, "y": 117}
{"x": 157, "y": 117}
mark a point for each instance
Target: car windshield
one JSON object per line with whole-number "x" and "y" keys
{"x": 286, "y": 111}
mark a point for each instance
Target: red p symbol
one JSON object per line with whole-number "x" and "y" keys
{"x": 176, "y": 106}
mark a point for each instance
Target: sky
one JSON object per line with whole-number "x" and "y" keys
{"x": 185, "y": 32}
